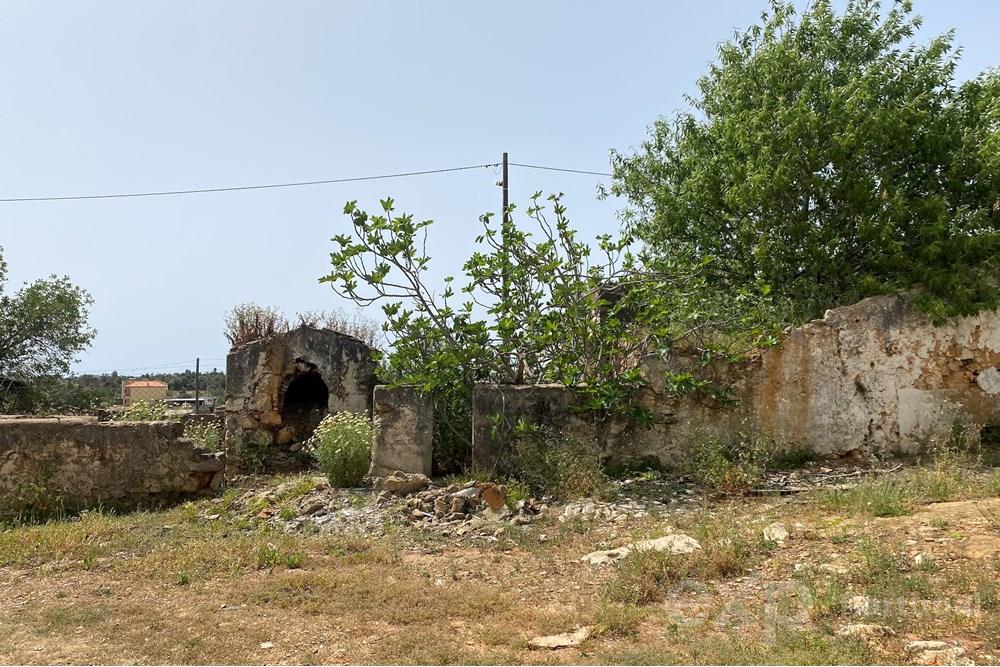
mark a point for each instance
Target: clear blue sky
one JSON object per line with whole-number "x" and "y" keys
{"x": 103, "y": 97}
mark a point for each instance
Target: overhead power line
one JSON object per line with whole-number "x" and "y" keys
{"x": 295, "y": 184}
{"x": 571, "y": 171}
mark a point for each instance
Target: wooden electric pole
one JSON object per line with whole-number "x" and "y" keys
{"x": 504, "y": 182}
{"x": 197, "y": 395}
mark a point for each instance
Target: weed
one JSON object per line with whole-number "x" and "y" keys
{"x": 727, "y": 550}
{"x": 516, "y": 491}
{"x": 207, "y": 435}
{"x": 734, "y": 467}
{"x": 991, "y": 514}
{"x": 145, "y": 411}
{"x": 294, "y": 561}
{"x": 268, "y": 556}
{"x": 824, "y": 597}
{"x": 254, "y": 451}
{"x": 550, "y": 463}
{"x": 883, "y": 571}
{"x": 987, "y": 594}
{"x": 989, "y": 630}
{"x": 642, "y": 577}
{"x": 183, "y": 578}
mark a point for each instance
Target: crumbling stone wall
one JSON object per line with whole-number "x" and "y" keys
{"x": 878, "y": 376}
{"x": 279, "y": 388}
{"x": 76, "y": 462}
{"x": 874, "y": 377}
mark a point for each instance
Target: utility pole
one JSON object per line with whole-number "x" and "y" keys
{"x": 505, "y": 188}
{"x": 517, "y": 370}
{"x": 505, "y": 220}
{"x": 197, "y": 395}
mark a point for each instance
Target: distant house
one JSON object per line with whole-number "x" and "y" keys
{"x": 143, "y": 390}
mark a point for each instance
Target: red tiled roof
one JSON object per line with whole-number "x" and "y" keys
{"x": 145, "y": 383}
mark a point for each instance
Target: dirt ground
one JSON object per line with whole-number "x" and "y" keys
{"x": 208, "y": 582}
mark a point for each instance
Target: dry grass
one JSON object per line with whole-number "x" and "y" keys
{"x": 178, "y": 587}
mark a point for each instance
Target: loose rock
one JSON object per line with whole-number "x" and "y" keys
{"x": 402, "y": 483}
{"x": 565, "y": 640}
{"x": 776, "y": 532}
{"x": 675, "y": 543}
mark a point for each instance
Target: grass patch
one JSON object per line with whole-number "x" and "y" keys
{"x": 618, "y": 620}
{"x": 728, "y": 549}
{"x": 874, "y": 496}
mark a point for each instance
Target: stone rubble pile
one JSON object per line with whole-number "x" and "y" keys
{"x": 473, "y": 509}
{"x": 456, "y": 509}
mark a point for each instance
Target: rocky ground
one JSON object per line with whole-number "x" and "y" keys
{"x": 828, "y": 564}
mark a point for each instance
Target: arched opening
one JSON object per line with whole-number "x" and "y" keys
{"x": 304, "y": 405}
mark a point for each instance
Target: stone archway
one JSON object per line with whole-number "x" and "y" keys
{"x": 303, "y": 405}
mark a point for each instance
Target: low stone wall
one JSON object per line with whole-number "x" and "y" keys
{"x": 77, "y": 462}
{"x": 876, "y": 377}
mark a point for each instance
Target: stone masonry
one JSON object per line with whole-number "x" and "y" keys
{"x": 75, "y": 462}
{"x": 876, "y": 377}
{"x": 279, "y": 388}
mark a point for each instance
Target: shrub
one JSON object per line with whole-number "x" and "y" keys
{"x": 733, "y": 467}
{"x": 553, "y": 464}
{"x": 144, "y": 411}
{"x": 342, "y": 444}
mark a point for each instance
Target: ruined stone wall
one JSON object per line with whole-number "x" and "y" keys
{"x": 878, "y": 376}
{"x": 77, "y": 462}
{"x": 278, "y": 388}
{"x": 875, "y": 377}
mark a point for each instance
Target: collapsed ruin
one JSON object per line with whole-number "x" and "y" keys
{"x": 279, "y": 388}
{"x": 874, "y": 378}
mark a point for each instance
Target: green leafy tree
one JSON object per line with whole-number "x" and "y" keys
{"x": 830, "y": 157}
{"x": 42, "y": 327}
{"x": 535, "y": 308}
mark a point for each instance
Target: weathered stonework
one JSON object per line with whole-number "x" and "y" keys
{"x": 875, "y": 377}
{"x": 405, "y": 438}
{"x": 878, "y": 376}
{"x": 76, "y": 462}
{"x": 279, "y": 388}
